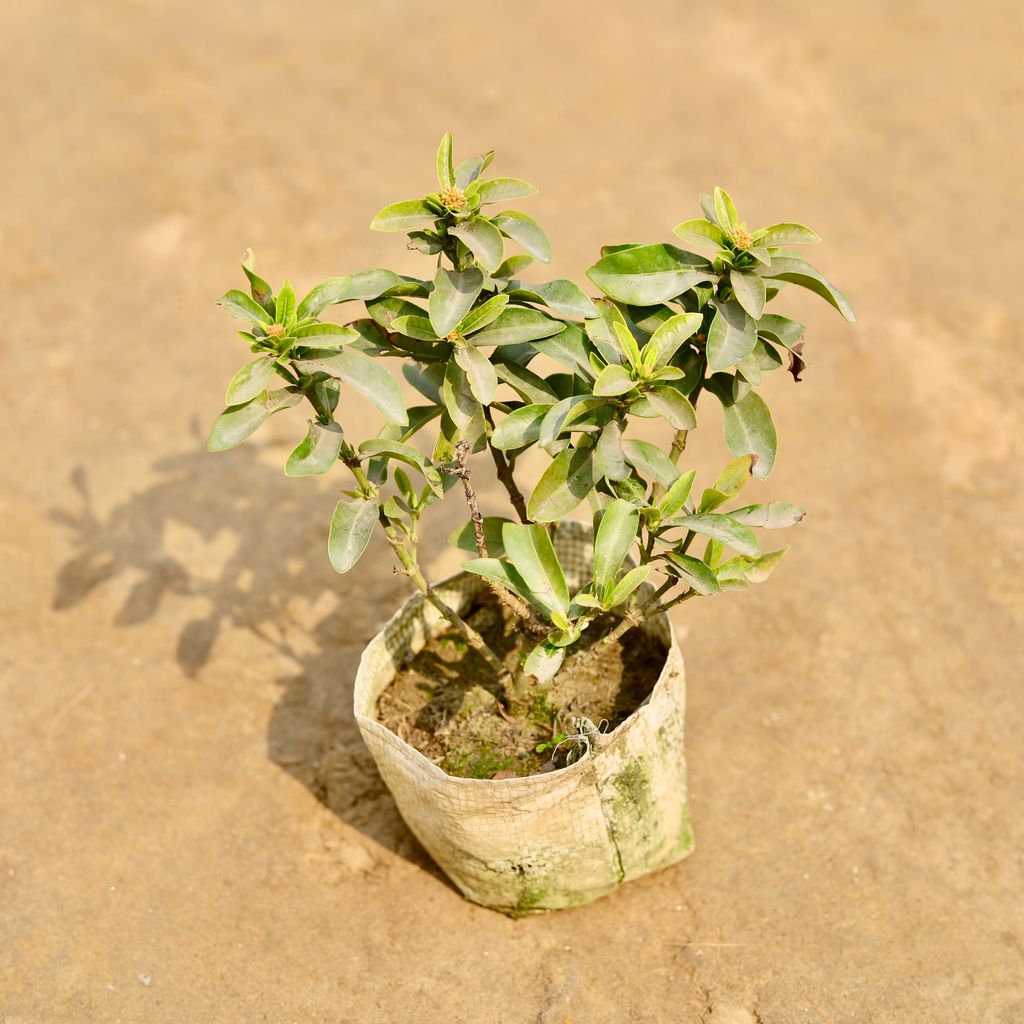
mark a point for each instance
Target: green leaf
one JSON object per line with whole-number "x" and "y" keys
{"x": 501, "y": 572}
{"x": 526, "y": 232}
{"x": 749, "y": 290}
{"x": 529, "y": 549}
{"x": 649, "y": 274}
{"x": 563, "y": 485}
{"x": 724, "y": 529}
{"x": 520, "y": 428}
{"x": 484, "y": 314}
{"x": 568, "y": 348}
{"x": 565, "y": 412}
{"x": 673, "y": 405}
{"x": 725, "y": 209}
{"x": 672, "y": 333}
{"x": 405, "y": 216}
{"x": 609, "y": 460}
{"x": 700, "y": 232}
{"x": 615, "y": 536}
{"x": 404, "y": 453}
{"x": 776, "y": 515}
{"x": 625, "y": 587}
{"x": 562, "y": 296}
{"x": 317, "y": 452}
{"x": 458, "y": 400}
{"x": 368, "y": 377}
{"x": 362, "y": 287}
{"x": 762, "y": 567}
{"x": 613, "y": 380}
{"x": 732, "y": 336}
{"x": 452, "y": 297}
{"x": 628, "y": 345}
{"x": 735, "y": 476}
{"x": 483, "y": 381}
{"x": 544, "y": 661}
{"x": 445, "y": 164}
{"x": 675, "y": 497}
{"x": 465, "y": 536}
{"x": 469, "y": 170}
{"x": 241, "y": 307}
{"x": 748, "y": 428}
{"x": 237, "y": 422}
{"x": 251, "y": 380}
{"x": 525, "y": 383}
{"x": 511, "y": 266}
{"x": 693, "y": 571}
{"x": 785, "y": 331}
{"x": 801, "y": 273}
{"x": 261, "y": 291}
{"x": 385, "y": 311}
{"x": 650, "y": 461}
{"x": 284, "y": 306}
{"x": 786, "y": 234}
{"x": 601, "y": 330}
{"x": 351, "y": 526}
{"x": 502, "y": 190}
{"x": 482, "y": 239}
{"x": 325, "y": 335}
{"x": 517, "y": 324}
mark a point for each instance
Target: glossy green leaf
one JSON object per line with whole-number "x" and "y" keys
{"x": 563, "y": 413}
{"x": 452, "y": 297}
{"x": 500, "y": 572}
{"x": 674, "y": 406}
{"x": 237, "y": 422}
{"x": 325, "y": 335}
{"x": 732, "y": 336}
{"x": 251, "y": 380}
{"x": 786, "y": 234}
{"x": 651, "y": 462}
{"x": 464, "y": 537}
{"x": 483, "y": 381}
{"x": 701, "y": 232}
{"x": 351, "y": 527}
{"x": 776, "y": 515}
{"x": 458, "y": 400}
{"x": 613, "y": 380}
{"x": 261, "y": 291}
{"x": 520, "y": 428}
{"x": 517, "y": 324}
{"x": 502, "y": 190}
{"x": 386, "y": 310}
{"x": 241, "y": 307}
{"x": 317, "y": 452}
{"x": 366, "y": 376}
{"x": 801, "y": 273}
{"x": 404, "y": 453}
{"x": 562, "y": 296}
{"x": 629, "y": 582}
{"x": 485, "y": 313}
{"x": 544, "y": 661}
{"x": 724, "y": 529}
{"x": 418, "y": 328}
{"x": 445, "y": 164}
{"x": 529, "y": 549}
{"x": 562, "y": 486}
{"x": 693, "y": 572}
{"x": 601, "y": 330}
{"x": 783, "y": 330}
{"x": 749, "y": 290}
{"x": 469, "y": 170}
{"x": 649, "y": 274}
{"x": 671, "y": 334}
{"x": 405, "y": 216}
{"x": 609, "y": 459}
{"x": 748, "y": 428}
{"x": 482, "y": 239}
{"x": 615, "y": 536}
{"x": 725, "y": 209}
{"x": 526, "y": 232}
{"x": 513, "y": 265}
{"x": 361, "y": 287}
{"x": 675, "y": 497}
{"x": 528, "y": 385}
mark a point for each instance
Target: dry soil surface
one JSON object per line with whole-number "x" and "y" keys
{"x": 190, "y": 828}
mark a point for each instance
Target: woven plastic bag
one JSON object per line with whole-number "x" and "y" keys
{"x": 550, "y": 841}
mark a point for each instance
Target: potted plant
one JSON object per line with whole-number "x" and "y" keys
{"x": 527, "y": 714}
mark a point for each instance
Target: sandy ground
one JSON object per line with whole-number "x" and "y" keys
{"x": 190, "y": 830}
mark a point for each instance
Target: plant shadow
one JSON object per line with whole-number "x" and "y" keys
{"x": 246, "y": 544}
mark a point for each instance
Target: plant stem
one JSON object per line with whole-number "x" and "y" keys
{"x": 516, "y": 605}
{"x": 411, "y": 569}
{"x": 505, "y": 475}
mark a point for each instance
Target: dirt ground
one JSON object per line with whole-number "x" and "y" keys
{"x": 190, "y": 828}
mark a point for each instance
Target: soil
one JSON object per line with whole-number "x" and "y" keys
{"x": 190, "y": 826}
{"x": 449, "y": 705}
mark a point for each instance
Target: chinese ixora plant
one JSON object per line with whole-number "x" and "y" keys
{"x": 672, "y": 325}
{"x": 504, "y": 367}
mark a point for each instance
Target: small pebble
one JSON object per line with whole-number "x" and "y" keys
{"x": 145, "y": 978}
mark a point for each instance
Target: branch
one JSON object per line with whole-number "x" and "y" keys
{"x": 517, "y": 606}
{"x": 504, "y": 468}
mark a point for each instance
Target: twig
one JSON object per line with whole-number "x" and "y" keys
{"x": 515, "y": 604}
{"x": 505, "y": 475}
